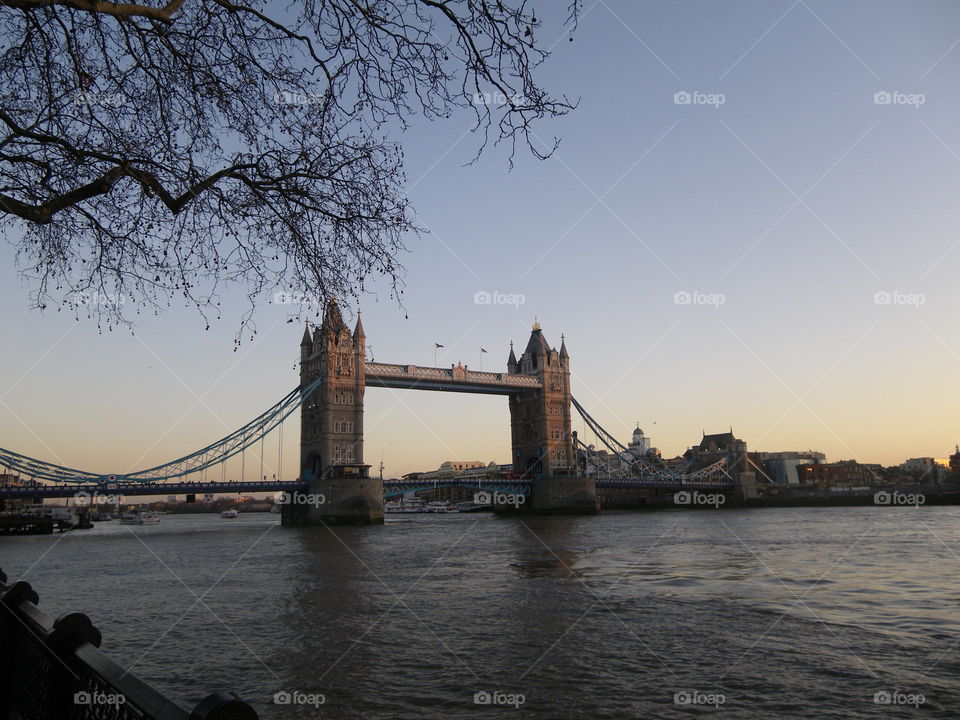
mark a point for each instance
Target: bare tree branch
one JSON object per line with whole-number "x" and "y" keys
{"x": 156, "y": 153}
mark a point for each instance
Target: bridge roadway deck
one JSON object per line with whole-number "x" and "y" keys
{"x": 147, "y": 488}
{"x": 391, "y": 487}
{"x": 454, "y": 379}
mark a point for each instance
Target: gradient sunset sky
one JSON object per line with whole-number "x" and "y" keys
{"x": 825, "y": 218}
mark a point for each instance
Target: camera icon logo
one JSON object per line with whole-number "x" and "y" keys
{"x": 681, "y": 498}
{"x": 282, "y": 698}
{"x": 882, "y": 98}
{"x": 882, "y": 297}
{"x": 82, "y": 698}
{"x": 882, "y": 698}
{"x": 682, "y": 98}
{"x": 482, "y": 297}
{"x": 882, "y": 498}
{"x": 482, "y": 498}
{"x": 482, "y": 698}
{"x": 682, "y": 298}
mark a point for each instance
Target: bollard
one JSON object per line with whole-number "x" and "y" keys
{"x": 223, "y": 706}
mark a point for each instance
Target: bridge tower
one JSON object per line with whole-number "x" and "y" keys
{"x": 541, "y": 431}
{"x": 331, "y": 428}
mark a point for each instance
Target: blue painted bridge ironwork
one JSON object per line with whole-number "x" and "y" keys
{"x": 92, "y": 492}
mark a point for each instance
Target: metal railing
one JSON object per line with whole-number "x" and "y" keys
{"x": 52, "y": 669}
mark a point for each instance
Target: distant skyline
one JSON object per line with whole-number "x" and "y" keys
{"x": 751, "y": 222}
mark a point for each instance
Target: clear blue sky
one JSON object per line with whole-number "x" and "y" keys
{"x": 797, "y": 200}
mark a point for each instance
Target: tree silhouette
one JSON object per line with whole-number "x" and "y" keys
{"x": 155, "y": 152}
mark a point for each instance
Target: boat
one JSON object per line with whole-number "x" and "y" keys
{"x": 413, "y": 505}
{"x": 140, "y": 518}
{"x": 230, "y": 514}
{"x": 473, "y": 506}
{"x": 438, "y": 506}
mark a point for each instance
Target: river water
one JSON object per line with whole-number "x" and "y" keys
{"x": 801, "y": 612}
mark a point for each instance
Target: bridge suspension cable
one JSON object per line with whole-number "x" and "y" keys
{"x": 198, "y": 461}
{"x": 639, "y": 466}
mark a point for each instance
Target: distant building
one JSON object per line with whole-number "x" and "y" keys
{"x": 955, "y": 462}
{"x": 640, "y": 444}
{"x": 461, "y": 469}
{"x": 9, "y": 480}
{"x": 927, "y": 468}
{"x": 845, "y": 473}
{"x": 716, "y": 447}
{"x": 781, "y": 467}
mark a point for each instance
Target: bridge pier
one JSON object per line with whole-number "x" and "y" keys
{"x": 564, "y": 496}
{"x": 346, "y": 495}
{"x": 746, "y": 484}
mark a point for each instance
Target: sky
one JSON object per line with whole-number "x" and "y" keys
{"x": 751, "y": 222}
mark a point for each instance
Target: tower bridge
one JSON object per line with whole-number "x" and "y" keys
{"x": 551, "y": 466}
{"x": 332, "y": 362}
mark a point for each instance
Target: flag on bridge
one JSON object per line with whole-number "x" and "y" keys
{"x": 482, "y": 350}
{"x": 437, "y": 345}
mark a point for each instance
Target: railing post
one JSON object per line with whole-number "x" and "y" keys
{"x": 8, "y": 645}
{"x": 69, "y": 632}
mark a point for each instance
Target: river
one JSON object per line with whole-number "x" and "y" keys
{"x": 800, "y": 612}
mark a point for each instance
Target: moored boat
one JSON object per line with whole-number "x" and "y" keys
{"x": 140, "y": 518}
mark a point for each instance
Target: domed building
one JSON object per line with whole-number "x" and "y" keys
{"x": 640, "y": 444}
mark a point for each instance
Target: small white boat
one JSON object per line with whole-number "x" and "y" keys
{"x": 140, "y": 518}
{"x": 438, "y": 506}
{"x": 230, "y": 514}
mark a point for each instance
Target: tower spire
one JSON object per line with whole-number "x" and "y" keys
{"x": 306, "y": 334}
{"x": 358, "y": 335}
{"x": 512, "y": 360}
